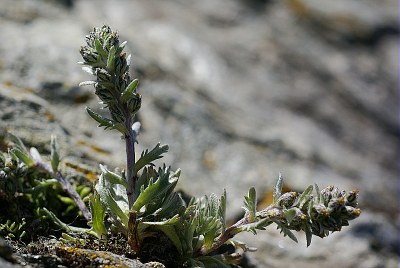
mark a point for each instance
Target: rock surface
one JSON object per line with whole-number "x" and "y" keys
{"x": 240, "y": 90}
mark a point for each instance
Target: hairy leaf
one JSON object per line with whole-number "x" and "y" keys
{"x": 250, "y": 204}
{"x": 278, "y": 188}
{"x": 112, "y": 177}
{"x": 54, "y": 156}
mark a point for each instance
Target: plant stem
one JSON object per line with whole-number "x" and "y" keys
{"x": 130, "y": 160}
{"x": 267, "y": 214}
{"x": 225, "y": 236}
{"x": 66, "y": 186}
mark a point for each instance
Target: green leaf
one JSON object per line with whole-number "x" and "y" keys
{"x": 170, "y": 206}
{"x": 126, "y": 94}
{"x": 289, "y": 233}
{"x": 147, "y": 157}
{"x": 305, "y": 196}
{"x": 289, "y": 215}
{"x": 61, "y": 224}
{"x": 98, "y": 215}
{"x": 250, "y": 204}
{"x": 115, "y": 209}
{"x": 54, "y": 156}
{"x": 308, "y": 232}
{"x": 278, "y": 188}
{"x": 17, "y": 142}
{"x": 171, "y": 233}
{"x": 112, "y": 177}
{"x": 222, "y": 210}
{"x": 99, "y": 48}
{"x": 23, "y": 157}
{"x": 319, "y": 198}
{"x": 152, "y": 195}
{"x": 110, "y": 59}
{"x": 170, "y": 221}
{"x": 105, "y": 122}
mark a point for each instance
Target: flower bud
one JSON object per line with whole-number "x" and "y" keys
{"x": 287, "y": 199}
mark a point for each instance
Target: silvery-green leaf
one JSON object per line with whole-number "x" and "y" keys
{"x": 128, "y": 60}
{"x": 122, "y": 45}
{"x": 278, "y": 188}
{"x": 112, "y": 177}
{"x": 222, "y": 210}
{"x": 87, "y": 83}
{"x": 35, "y": 155}
{"x": 54, "y": 156}
{"x": 305, "y": 196}
{"x": 88, "y": 70}
{"x": 115, "y": 209}
{"x": 250, "y": 204}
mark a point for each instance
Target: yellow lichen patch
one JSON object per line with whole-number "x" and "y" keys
{"x": 86, "y": 171}
{"x": 93, "y": 147}
{"x": 89, "y": 257}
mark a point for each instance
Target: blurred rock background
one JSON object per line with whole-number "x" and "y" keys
{"x": 241, "y": 90}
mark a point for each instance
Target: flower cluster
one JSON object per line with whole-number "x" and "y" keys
{"x": 114, "y": 86}
{"x": 328, "y": 211}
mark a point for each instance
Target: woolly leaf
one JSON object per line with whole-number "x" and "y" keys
{"x": 305, "y": 196}
{"x": 278, "y": 188}
{"x": 87, "y": 83}
{"x": 54, "y": 156}
{"x": 115, "y": 209}
{"x": 222, "y": 210}
{"x": 112, "y": 177}
{"x": 250, "y": 204}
